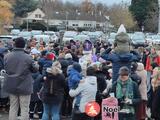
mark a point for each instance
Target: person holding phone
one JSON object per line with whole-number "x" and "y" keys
{"x": 127, "y": 93}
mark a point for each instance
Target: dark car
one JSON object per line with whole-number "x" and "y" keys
{"x": 138, "y": 40}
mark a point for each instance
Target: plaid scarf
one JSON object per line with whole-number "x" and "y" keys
{"x": 120, "y": 94}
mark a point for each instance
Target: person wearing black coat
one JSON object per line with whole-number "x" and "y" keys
{"x": 53, "y": 92}
{"x": 134, "y": 75}
{"x": 101, "y": 86}
{"x": 35, "y": 101}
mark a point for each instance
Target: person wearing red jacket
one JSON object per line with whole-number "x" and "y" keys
{"x": 152, "y": 61}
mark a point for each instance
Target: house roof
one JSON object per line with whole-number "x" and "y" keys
{"x": 77, "y": 16}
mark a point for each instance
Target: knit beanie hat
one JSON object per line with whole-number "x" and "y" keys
{"x": 50, "y": 56}
{"x": 124, "y": 71}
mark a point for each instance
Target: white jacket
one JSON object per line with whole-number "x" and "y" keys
{"x": 87, "y": 91}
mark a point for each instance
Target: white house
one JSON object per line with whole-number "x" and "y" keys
{"x": 36, "y": 15}
{"x": 69, "y": 19}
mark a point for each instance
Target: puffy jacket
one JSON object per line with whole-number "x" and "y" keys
{"x": 120, "y": 60}
{"x": 143, "y": 86}
{"x": 87, "y": 91}
{"x": 53, "y": 88}
{"x": 74, "y": 78}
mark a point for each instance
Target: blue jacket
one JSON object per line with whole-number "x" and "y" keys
{"x": 120, "y": 60}
{"x": 44, "y": 64}
{"x": 73, "y": 78}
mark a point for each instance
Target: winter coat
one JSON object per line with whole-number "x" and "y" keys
{"x": 101, "y": 85}
{"x": 44, "y": 64}
{"x": 120, "y": 60}
{"x": 87, "y": 91}
{"x": 135, "y": 77}
{"x": 37, "y": 85}
{"x": 144, "y": 59}
{"x": 18, "y": 66}
{"x": 136, "y": 95}
{"x": 149, "y": 65}
{"x": 53, "y": 88}
{"x": 122, "y": 41}
{"x": 64, "y": 64}
{"x": 74, "y": 78}
{"x": 70, "y": 61}
{"x": 143, "y": 86}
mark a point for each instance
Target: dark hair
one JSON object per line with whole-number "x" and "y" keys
{"x": 134, "y": 66}
{"x": 124, "y": 71}
{"x": 90, "y": 71}
{"x": 77, "y": 67}
{"x": 20, "y": 42}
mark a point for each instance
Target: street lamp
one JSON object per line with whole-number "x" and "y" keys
{"x": 159, "y": 16}
{"x": 66, "y": 20}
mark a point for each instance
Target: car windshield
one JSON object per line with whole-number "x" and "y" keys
{"x": 156, "y": 37}
{"x": 137, "y": 37}
{"x": 112, "y": 35}
{"x": 25, "y": 34}
{"x": 70, "y": 34}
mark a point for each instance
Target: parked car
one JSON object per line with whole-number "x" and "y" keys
{"x": 7, "y": 40}
{"x": 36, "y": 32}
{"x": 53, "y": 35}
{"x": 81, "y": 38}
{"x": 156, "y": 39}
{"x": 26, "y": 35}
{"x": 69, "y": 35}
{"x": 46, "y": 38}
{"x": 111, "y": 38}
{"x": 138, "y": 41}
{"x": 15, "y": 32}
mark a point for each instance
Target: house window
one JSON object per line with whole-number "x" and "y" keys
{"x": 89, "y": 25}
{"x": 39, "y": 15}
{"x": 85, "y": 25}
{"x": 36, "y": 15}
{"x": 74, "y": 24}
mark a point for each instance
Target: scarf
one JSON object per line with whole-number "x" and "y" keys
{"x": 152, "y": 57}
{"x": 127, "y": 93}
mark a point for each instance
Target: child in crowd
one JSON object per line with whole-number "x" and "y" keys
{"x": 74, "y": 78}
{"x": 35, "y": 103}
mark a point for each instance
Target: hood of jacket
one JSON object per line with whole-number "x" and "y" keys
{"x": 140, "y": 67}
{"x": 122, "y": 38}
{"x": 72, "y": 71}
{"x": 91, "y": 80}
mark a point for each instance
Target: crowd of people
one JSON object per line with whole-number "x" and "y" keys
{"x": 56, "y": 81}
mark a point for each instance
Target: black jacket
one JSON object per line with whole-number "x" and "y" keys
{"x": 53, "y": 88}
{"x": 135, "y": 78}
{"x": 101, "y": 85}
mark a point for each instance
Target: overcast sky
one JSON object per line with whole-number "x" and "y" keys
{"x": 108, "y": 2}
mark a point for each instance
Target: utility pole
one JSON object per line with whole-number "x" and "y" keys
{"x": 159, "y": 17}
